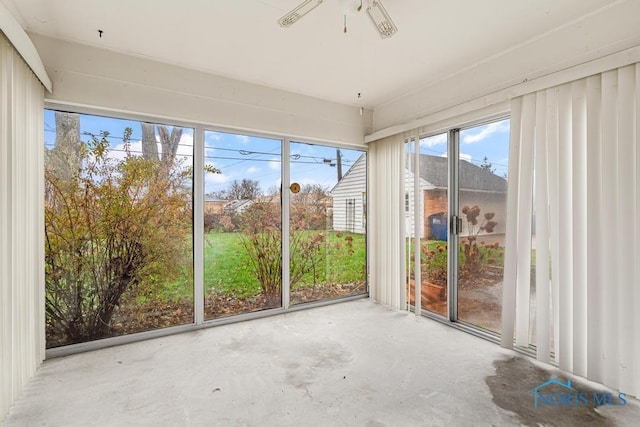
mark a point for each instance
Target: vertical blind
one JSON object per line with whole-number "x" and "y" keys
{"x": 575, "y": 176}
{"x": 21, "y": 225}
{"x": 386, "y": 221}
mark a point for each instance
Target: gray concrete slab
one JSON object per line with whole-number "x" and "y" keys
{"x": 354, "y": 363}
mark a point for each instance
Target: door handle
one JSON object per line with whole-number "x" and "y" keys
{"x": 456, "y": 225}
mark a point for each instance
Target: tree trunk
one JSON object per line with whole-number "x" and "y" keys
{"x": 170, "y": 143}
{"x": 149, "y": 143}
{"x": 64, "y": 160}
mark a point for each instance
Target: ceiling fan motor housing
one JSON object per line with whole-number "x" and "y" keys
{"x": 350, "y": 7}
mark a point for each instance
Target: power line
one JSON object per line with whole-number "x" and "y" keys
{"x": 240, "y": 160}
{"x": 317, "y": 160}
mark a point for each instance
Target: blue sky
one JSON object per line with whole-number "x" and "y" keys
{"x": 115, "y": 127}
{"x": 240, "y": 156}
{"x": 236, "y": 156}
{"x": 491, "y": 140}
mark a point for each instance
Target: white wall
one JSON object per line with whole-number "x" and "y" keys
{"x": 21, "y": 224}
{"x": 94, "y": 77}
{"x": 497, "y": 79}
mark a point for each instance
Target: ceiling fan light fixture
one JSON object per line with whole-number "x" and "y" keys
{"x": 303, "y": 8}
{"x": 376, "y": 11}
{"x": 381, "y": 19}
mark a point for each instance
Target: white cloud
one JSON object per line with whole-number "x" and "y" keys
{"x": 252, "y": 169}
{"x": 486, "y": 131}
{"x": 434, "y": 140}
{"x": 244, "y": 139}
{"x": 119, "y": 153}
{"x": 184, "y": 152}
{"x": 213, "y": 135}
{"x": 214, "y": 179}
{"x": 274, "y": 164}
{"x": 186, "y": 145}
{"x": 463, "y": 156}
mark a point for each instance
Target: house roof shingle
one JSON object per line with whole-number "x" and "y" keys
{"x": 434, "y": 170}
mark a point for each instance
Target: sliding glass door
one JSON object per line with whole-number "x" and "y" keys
{"x": 482, "y": 208}
{"x": 455, "y": 206}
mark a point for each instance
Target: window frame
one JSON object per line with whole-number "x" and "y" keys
{"x": 453, "y": 148}
{"x": 199, "y": 129}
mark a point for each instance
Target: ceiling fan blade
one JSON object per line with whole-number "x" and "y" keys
{"x": 381, "y": 19}
{"x": 302, "y": 9}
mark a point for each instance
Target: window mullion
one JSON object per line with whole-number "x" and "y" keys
{"x": 453, "y": 153}
{"x": 198, "y": 225}
{"x": 285, "y": 222}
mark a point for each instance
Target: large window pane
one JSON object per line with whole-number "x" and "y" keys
{"x": 483, "y": 167}
{"x": 327, "y": 222}
{"x": 118, "y": 223}
{"x": 242, "y": 223}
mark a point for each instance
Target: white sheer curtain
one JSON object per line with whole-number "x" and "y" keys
{"x": 21, "y": 224}
{"x": 583, "y": 138}
{"x": 386, "y": 221}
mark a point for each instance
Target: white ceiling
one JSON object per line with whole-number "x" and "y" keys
{"x": 241, "y": 39}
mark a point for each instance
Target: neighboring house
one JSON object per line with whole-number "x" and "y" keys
{"x": 478, "y": 186}
{"x": 350, "y": 199}
{"x": 237, "y": 206}
{"x": 214, "y": 206}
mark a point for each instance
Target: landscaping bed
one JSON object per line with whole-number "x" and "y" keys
{"x": 140, "y": 317}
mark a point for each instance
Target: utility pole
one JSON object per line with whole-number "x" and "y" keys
{"x": 339, "y": 163}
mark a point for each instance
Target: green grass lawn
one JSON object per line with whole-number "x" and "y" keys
{"x": 228, "y": 268}
{"x": 340, "y": 262}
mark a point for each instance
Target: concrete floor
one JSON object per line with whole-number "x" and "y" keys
{"x": 354, "y": 363}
